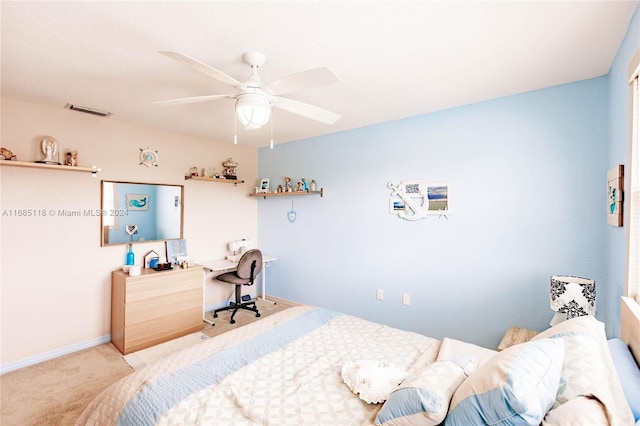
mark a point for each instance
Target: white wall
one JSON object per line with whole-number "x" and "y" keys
{"x": 55, "y": 276}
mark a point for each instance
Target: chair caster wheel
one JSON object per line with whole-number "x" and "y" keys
{"x": 257, "y": 315}
{"x": 215, "y": 315}
{"x": 232, "y": 321}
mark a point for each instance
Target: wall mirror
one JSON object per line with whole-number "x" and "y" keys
{"x": 140, "y": 212}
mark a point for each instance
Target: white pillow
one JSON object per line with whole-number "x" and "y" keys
{"x": 587, "y": 368}
{"x": 453, "y": 349}
{"x": 515, "y": 387}
{"x": 372, "y": 380}
{"x": 424, "y": 398}
{"x": 579, "y": 411}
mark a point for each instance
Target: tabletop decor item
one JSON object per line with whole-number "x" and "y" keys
{"x": 49, "y": 146}
{"x": 131, "y": 257}
{"x": 151, "y": 259}
{"x": 264, "y": 186}
{"x": 175, "y": 249}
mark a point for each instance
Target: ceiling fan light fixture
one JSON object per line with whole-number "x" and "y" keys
{"x": 253, "y": 110}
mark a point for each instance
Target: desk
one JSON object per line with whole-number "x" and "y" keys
{"x": 224, "y": 265}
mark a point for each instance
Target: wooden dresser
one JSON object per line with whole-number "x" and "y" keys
{"x": 155, "y": 307}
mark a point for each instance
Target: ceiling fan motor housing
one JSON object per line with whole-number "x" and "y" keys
{"x": 253, "y": 58}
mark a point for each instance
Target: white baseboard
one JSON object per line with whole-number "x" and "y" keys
{"x": 36, "y": 359}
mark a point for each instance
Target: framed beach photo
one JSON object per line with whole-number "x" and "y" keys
{"x": 439, "y": 198}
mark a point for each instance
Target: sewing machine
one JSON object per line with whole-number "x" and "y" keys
{"x": 238, "y": 247}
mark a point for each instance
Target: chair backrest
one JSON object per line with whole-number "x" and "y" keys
{"x": 245, "y": 262}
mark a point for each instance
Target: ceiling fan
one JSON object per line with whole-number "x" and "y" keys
{"x": 254, "y": 99}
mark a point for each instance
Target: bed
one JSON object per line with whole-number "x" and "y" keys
{"x": 312, "y": 366}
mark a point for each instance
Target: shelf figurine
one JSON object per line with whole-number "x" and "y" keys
{"x": 71, "y": 159}
{"x": 49, "y": 147}
{"x": 7, "y": 154}
{"x": 229, "y": 171}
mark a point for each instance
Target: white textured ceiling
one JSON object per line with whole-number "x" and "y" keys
{"x": 395, "y": 59}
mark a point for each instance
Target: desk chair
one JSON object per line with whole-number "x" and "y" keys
{"x": 249, "y": 266}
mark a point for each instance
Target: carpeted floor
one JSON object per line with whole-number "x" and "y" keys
{"x": 56, "y": 392}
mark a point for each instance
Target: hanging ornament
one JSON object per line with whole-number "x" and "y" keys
{"x": 291, "y": 214}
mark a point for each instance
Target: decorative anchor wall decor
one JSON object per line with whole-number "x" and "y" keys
{"x": 415, "y": 199}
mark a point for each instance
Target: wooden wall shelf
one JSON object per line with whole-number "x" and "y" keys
{"x": 212, "y": 179}
{"x": 285, "y": 194}
{"x": 93, "y": 169}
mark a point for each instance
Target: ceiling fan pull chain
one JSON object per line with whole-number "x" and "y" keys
{"x": 271, "y": 123}
{"x": 235, "y": 128}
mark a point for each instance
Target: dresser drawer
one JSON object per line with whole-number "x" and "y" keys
{"x": 155, "y": 307}
{"x": 163, "y": 283}
{"x": 159, "y": 330}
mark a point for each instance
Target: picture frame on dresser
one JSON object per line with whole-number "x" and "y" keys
{"x": 175, "y": 250}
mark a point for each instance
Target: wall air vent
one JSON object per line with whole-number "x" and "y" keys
{"x": 87, "y": 110}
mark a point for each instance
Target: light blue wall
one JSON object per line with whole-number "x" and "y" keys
{"x": 619, "y": 154}
{"x": 527, "y": 186}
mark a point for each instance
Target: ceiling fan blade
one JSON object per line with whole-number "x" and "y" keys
{"x": 193, "y": 99}
{"x": 309, "y": 79}
{"x": 305, "y": 110}
{"x": 203, "y": 68}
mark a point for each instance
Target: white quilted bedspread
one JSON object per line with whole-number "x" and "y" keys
{"x": 296, "y": 382}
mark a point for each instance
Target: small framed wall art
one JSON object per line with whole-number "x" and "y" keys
{"x": 137, "y": 201}
{"x": 615, "y": 191}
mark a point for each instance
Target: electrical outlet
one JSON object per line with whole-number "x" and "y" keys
{"x": 380, "y": 294}
{"x": 406, "y": 299}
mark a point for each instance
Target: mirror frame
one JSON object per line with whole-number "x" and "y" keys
{"x": 122, "y": 212}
